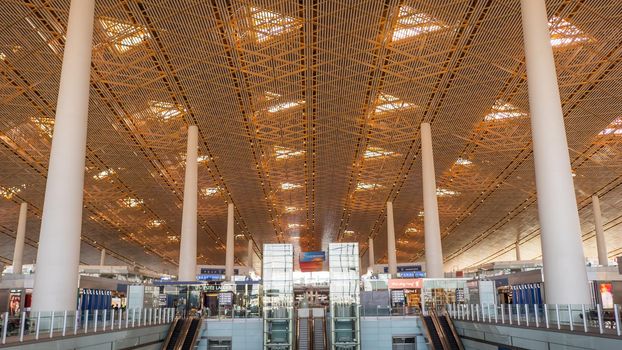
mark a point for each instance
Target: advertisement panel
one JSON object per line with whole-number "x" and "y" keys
{"x": 312, "y": 261}
{"x": 405, "y": 283}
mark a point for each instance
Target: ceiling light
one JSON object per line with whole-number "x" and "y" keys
{"x": 387, "y": 103}
{"x": 411, "y": 23}
{"x": 284, "y": 105}
{"x": 292, "y": 209}
{"x": 421, "y": 213}
{"x": 124, "y": 36}
{"x": 172, "y": 238}
{"x": 131, "y": 202}
{"x": 289, "y": 186}
{"x": 286, "y": 153}
{"x": 267, "y": 24}
{"x": 443, "y": 192}
{"x": 502, "y": 110}
{"x": 363, "y": 186}
{"x": 155, "y": 223}
{"x": 44, "y": 124}
{"x": 376, "y": 152}
{"x": 165, "y": 110}
{"x": 9, "y": 192}
{"x": 104, "y": 174}
{"x": 411, "y": 230}
{"x": 292, "y": 226}
{"x": 348, "y": 233}
{"x": 463, "y": 161}
{"x": 203, "y": 159}
{"x": 564, "y": 33}
{"x": 615, "y": 128}
{"x": 210, "y": 191}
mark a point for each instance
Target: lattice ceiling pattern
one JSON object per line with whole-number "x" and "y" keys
{"x": 309, "y": 115}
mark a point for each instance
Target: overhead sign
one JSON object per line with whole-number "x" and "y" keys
{"x": 312, "y": 261}
{"x": 404, "y": 268}
{"x": 405, "y": 283}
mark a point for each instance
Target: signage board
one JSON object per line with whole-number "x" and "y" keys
{"x": 405, "y": 283}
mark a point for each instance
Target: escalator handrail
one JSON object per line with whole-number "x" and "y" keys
{"x": 453, "y": 331}
{"x": 440, "y": 331}
{"x": 194, "y": 335}
{"x": 171, "y": 330}
{"x": 428, "y": 331}
{"x": 183, "y": 333}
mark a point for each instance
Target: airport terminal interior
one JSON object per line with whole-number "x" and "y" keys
{"x": 310, "y": 174}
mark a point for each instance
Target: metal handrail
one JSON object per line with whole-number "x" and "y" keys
{"x": 27, "y": 326}
{"x": 573, "y": 318}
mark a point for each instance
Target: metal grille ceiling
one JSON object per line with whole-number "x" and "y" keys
{"x": 309, "y": 116}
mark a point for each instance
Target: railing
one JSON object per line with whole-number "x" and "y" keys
{"x": 575, "y": 318}
{"x": 385, "y": 310}
{"x": 53, "y": 324}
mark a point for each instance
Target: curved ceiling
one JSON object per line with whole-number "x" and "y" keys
{"x": 309, "y": 115}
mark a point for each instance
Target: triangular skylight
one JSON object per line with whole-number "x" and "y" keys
{"x": 364, "y": 186}
{"x": 615, "y": 128}
{"x": 387, "y": 103}
{"x": 411, "y": 23}
{"x": 564, "y": 33}
{"x": 503, "y": 110}
{"x": 284, "y": 106}
{"x": 266, "y": 25}
{"x": 44, "y": 124}
{"x": 166, "y": 110}
{"x": 124, "y": 36}
{"x": 376, "y": 152}
{"x": 286, "y": 153}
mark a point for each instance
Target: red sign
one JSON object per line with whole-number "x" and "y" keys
{"x": 405, "y": 283}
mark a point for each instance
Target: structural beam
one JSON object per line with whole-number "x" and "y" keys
{"x": 58, "y": 256}
{"x": 230, "y": 249}
{"x": 188, "y": 242}
{"x": 20, "y": 239}
{"x": 370, "y": 255}
{"x": 562, "y": 248}
{"x": 601, "y": 244}
{"x": 391, "y": 249}
{"x": 432, "y": 227}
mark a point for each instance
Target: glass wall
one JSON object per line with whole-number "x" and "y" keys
{"x": 343, "y": 266}
{"x": 278, "y": 296}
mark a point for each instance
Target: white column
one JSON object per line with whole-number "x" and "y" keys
{"x": 102, "y": 257}
{"x": 391, "y": 250}
{"x": 58, "y": 256}
{"x": 370, "y": 255}
{"x": 517, "y": 249}
{"x": 188, "y": 242}
{"x": 601, "y": 244}
{"x": 432, "y": 226}
{"x": 565, "y": 274}
{"x": 249, "y": 259}
{"x": 230, "y": 244}
{"x": 20, "y": 238}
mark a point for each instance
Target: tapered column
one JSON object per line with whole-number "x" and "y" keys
{"x": 517, "y": 250}
{"x": 391, "y": 253}
{"x": 562, "y": 248}
{"x": 58, "y": 255}
{"x": 249, "y": 258}
{"x": 230, "y": 244}
{"x": 102, "y": 257}
{"x": 370, "y": 255}
{"x": 601, "y": 245}
{"x": 432, "y": 227}
{"x": 20, "y": 238}
{"x": 188, "y": 243}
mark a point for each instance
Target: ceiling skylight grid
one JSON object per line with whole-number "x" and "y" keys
{"x": 502, "y": 110}
{"x": 412, "y": 23}
{"x": 615, "y": 128}
{"x": 564, "y": 33}
{"x": 124, "y": 36}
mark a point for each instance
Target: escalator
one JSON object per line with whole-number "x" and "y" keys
{"x": 319, "y": 333}
{"x": 303, "y": 338}
{"x": 191, "y": 334}
{"x": 433, "y": 333}
{"x": 450, "y": 333}
{"x": 183, "y": 334}
{"x": 173, "y": 334}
